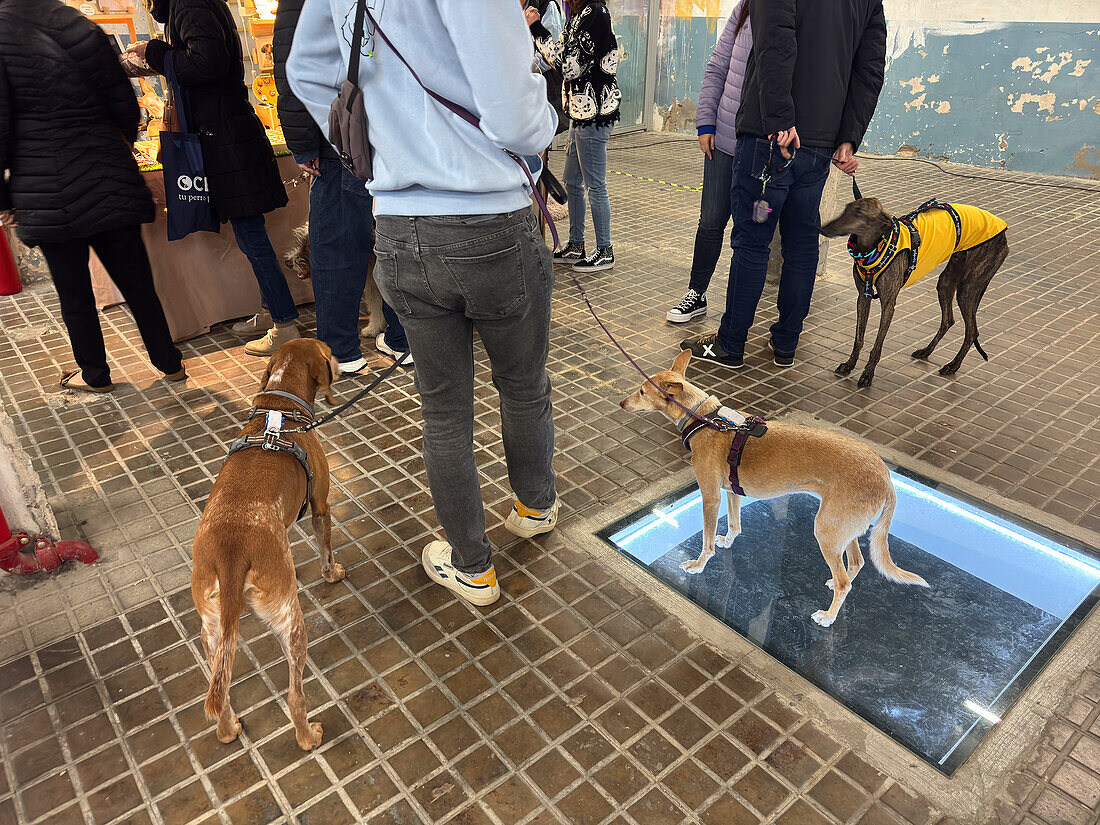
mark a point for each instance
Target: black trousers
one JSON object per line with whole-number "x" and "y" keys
{"x": 123, "y": 254}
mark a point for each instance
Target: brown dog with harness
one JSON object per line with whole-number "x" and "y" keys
{"x": 241, "y": 550}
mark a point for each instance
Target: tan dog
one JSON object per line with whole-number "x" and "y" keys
{"x": 297, "y": 259}
{"x": 852, "y": 482}
{"x": 241, "y": 550}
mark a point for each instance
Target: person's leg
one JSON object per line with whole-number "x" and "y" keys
{"x": 592, "y": 152}
{"x": 517, "y": 345}
{"x": 122, "y": 252}
{"x": 714, "y": 215}
{"x": 340, "y": 226}
{"x": 432, "y": 310}
{"x": 574, "y": 187}
{"x": 68, "y": 263}
{"x": 253, "y": 241}
{"x": 798, "y": 229}
{"x": 749, "y": 265}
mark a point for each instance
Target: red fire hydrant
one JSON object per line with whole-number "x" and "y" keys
{"x": 9, "y": 275}
{"x": 21, "y": 553}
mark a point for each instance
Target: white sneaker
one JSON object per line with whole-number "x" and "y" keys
{"x": 528, "y": 522}
{"x": 275, "y": 338}
{"x": 481, "y": 589}
{"x": 259, "y": 323}
{"x": 353, "y": 367}
{"x": 381, "y": 345}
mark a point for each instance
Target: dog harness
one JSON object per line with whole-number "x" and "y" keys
{"x": 931, "y": 233}
{"x": 272, "y": 437}
{"x": 743, "y": 427}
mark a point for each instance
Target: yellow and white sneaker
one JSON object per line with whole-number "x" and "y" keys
{"x": 481, "y": 589}
{"x": 528, "y": 522}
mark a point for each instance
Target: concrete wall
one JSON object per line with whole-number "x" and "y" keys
{"x": 1015, "y": 85}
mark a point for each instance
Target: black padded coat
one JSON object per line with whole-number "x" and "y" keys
{"x": 206, "y": 51}
{"x": 303, "y": 137}
{"x": 68, "y": 117}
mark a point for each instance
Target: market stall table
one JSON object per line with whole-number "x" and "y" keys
{"x": 204, "y": 279}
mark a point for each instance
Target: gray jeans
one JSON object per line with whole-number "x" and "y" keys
{"x": 447, "y": 276}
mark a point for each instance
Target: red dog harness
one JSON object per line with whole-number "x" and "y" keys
{"x": 743, "y": 427}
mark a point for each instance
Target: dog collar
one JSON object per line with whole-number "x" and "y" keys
{"x": 301, "y": 402}
{"x": 873, "y": 262}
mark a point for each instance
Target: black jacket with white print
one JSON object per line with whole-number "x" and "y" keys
{"x": 587, "y": 54}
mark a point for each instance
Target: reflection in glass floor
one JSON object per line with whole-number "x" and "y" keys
{"x": 934, "y": 669}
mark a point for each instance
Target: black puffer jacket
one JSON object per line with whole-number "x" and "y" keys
{"x": 303, "y": 137}
{"x": 67, "y": 118}
{"x": 240, "y": 163}
{"x": 816, "y": 65}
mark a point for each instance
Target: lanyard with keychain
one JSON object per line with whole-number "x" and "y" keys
{"x": 760, "y": 207}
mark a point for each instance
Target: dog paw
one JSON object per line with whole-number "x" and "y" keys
{"x": 866, "y": 379}
{"x": 692, "y": 567}
{"x": 844, "y": 369}
{"x": 313, "y": 739}
{"x": 949, "y": 369}
{"x": 335, "y": 574}
{"x": 227, "y": 736}
{"x": 829, "y": 584}
{"x": 922, "y": 354}
{"x": 725, "y": 541}
{"x": 822, "y": 618}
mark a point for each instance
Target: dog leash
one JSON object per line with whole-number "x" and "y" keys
{"x": 390, "y": 370}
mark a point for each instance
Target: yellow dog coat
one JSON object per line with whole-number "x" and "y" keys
{"x": 932, "y": 233}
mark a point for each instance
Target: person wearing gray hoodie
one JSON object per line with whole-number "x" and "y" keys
{"x": 716, "y": 122}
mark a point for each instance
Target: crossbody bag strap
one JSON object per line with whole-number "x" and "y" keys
{"x": 357, "y": 42}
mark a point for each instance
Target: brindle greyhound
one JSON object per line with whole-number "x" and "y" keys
{"x": 965, "y": 279}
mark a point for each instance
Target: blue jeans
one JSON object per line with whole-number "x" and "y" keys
{"x": 448, "y": 276}
{"x": 251, "y": 235}
{"x": 586, "y": 169}
{"x": 794, "y": 197}
{"x": 714, "y": 214}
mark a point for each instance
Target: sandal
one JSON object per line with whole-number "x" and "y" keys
{"x": 72, "y": 380}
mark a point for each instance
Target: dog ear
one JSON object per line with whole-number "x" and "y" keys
{"x": 329, "y": 373}
{"x": 674, "y": 387}
{"x": 680, "y": 365}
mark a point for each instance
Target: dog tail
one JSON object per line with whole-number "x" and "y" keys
{"x": 880, "y": 548}
{"x": 981, "y": 351}
{"x": 231, "y": 581}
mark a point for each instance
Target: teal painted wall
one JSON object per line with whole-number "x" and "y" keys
{"x": 1022, "y": 96}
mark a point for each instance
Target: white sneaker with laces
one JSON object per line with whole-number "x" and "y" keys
{"x": 527, "y": 522}
{"x": 481, "y": 589}
{"x": 381, "y": 345}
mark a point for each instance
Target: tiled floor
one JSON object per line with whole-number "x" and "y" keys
{"x": 576, "y": 698}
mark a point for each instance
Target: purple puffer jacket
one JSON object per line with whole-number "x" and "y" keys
{"x": 720, "y": 96}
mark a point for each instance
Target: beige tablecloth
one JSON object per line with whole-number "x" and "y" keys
{"x": 204, "y": 279}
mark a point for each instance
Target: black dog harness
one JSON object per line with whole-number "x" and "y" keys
{"x": 724, "y": 419}
{"x": 870, "y": 264}
{"x": 272, "y": 437}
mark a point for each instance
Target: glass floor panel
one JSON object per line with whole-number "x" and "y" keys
{"x": 933, "y": 668}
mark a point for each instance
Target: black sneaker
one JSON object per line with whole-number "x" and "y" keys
{"x": 707, "y": 348}
{"x": 781, "y": 359}
{"x": 602, "y": 258}
{"x": 569, "y": 253}
{"x": 693, "y": 306}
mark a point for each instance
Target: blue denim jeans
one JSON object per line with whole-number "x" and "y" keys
{"x": 586, "y": 169}
{"x": 794, "y": 197}
{"x": 448, "y": 276}
{"x": 252, "y": 239}
{"x": 341, "y": 220}
{"x": 714, "y": 215}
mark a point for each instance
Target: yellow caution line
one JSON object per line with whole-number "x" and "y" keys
{"x": 662, "y": 182}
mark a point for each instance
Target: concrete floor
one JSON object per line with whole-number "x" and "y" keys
{"x": 584, "y": 695}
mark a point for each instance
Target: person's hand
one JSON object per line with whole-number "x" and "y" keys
{"x": 7, "y": 218}
{"x": 531, "y": 16}
{"x": 706, "y": 143}
{"x": 845, "y": 160}
{"x": 311, "y": 168}
{"x": 788, "y": 137}
{"x": 139, "y": 49}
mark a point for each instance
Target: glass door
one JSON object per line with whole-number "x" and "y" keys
{"x": 631, "y": 22}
